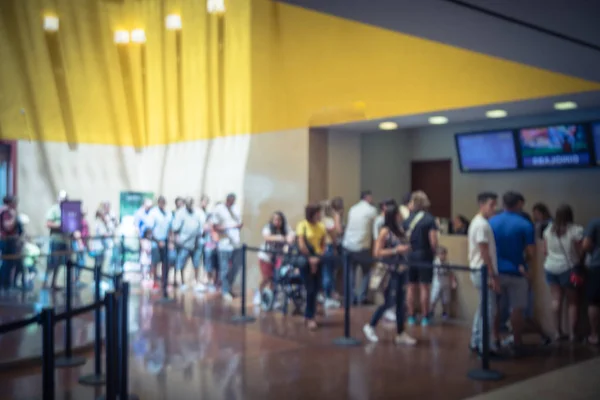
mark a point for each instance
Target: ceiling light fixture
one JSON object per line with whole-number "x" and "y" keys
{"x": 121, "y": 37}
{"x": 496, "y": 114}
{"x": 138, "y": 36}
{"x": 173, "y": 22}
{"x": 51, "y": 23}
{"x": 388, "y": 126}
{"x": 438, "y": 120}
{"x": 215, "y": 6}
{"x": 565, "y": 105}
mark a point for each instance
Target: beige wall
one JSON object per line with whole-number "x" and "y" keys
{"x": 387, "y": 156}
{"x": 344, "y": 165}
{"x": 268, "y": 172}
{"x": 385, "y": 164}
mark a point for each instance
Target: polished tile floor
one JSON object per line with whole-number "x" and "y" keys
{"x": 189, "y": 349}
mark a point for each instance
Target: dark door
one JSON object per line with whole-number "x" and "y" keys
{"x": 435, "y": 179}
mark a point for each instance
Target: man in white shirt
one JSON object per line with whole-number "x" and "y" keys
{"x": 227, "y": 223}
{"x": 358, "y": 239}
{"x": 482, "y": 253}
{"x": 161, "y": 220}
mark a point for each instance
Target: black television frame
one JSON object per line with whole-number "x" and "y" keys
{"x": 586, "y": 125}
{"x": 595, "y": 156}
{"x": 457, "y": 136}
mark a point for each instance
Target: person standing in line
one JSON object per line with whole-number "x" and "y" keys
{"x": 141, "y": 218}
{"x": 358, "y": 240}
{"x": 390, "y": 314}
{"x": 59, "y": 244}
{"x": 482, "y": 254}
{"x": 541, "y": 218}
{"x": 562, "y": 247}
{"x": 311, "y": 234}
{"x": 227, "y": 222}
{"x": 187, "y": 228}
{"x": 443, "y": 283}
{"x": 208, "y": 255}
{"x": 276, "y": 233}
{"x": 422, "y": 231}
{"x": 11, "y": 231}
{"x": 591, "y": 245}
{"x": 331, "y": 240}
{"x": 390, "y": 246}
{"x": 514, "y": 238}
{"x": 161, "y": 221}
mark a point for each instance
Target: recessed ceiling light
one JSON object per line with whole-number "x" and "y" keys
{"x": 496, "y": 114}
{"x": 565, "y": 105}
{"x": 438, "y": 120}
{"x": 51, "y": 23}
{"x": 388, "y": 126}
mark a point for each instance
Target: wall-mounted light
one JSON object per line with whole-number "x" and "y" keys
{"x": 51, "y": 23}
{"x": 496, "y": 114}
{"x": 438, "y": 120}
{"x": 138, "y": 36}
{"x": 173, "y": 22}
{"x": 215, "y": 6}
{"x": 565, "y": 105}
{"x": 388, "y": 126}
{"x": 121, "y": 37}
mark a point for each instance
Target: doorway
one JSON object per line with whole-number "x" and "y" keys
{"x": 7, "y": 169}
{"x": 435, "y": 179}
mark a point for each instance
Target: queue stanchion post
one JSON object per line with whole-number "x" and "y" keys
{"x": 485, "y": 373}
{"x": 164, "y": 279}
{"x": 110, "y": 346}
{"x": 48, "y": 362}
{"x": 346, "y": 340}
{"x": 97, "y": 378}
{"x": 243, "y": 318}
{"x": 68, "y": 360}
{"x": 123, "y": 353}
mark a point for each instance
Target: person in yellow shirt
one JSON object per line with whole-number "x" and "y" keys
{"x": 311, "y": 235}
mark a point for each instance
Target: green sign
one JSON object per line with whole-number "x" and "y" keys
{"x": 130, "y": 202}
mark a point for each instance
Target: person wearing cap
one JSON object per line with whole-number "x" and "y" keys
{"x": 227, "y": 223}
{"x": 59, "y": 246}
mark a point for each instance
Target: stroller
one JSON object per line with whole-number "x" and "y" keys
{"x": 288, "y": 284}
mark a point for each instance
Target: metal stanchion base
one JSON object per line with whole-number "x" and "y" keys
{"x": 485, "y": 375}
{"x": 346, "y": 341}
{"x": 242, "y": 319}
{"x": 129, "y": 397}
{"x": 165, "y": 300}
{"x": 69, "y": 362}
{"x": 93, "y": 380}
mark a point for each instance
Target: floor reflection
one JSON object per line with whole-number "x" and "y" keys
{"x": 188, "y": 349}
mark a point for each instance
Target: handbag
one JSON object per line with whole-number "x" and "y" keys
{"x": 577, "y": 271}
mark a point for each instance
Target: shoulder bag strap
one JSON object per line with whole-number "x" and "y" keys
{"x": 417, "y": 218}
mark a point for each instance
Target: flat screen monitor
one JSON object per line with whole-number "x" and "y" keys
{"x": 554, "y": 146}
{"x": 487, "y": 151}
{"x": 596, "y": 140}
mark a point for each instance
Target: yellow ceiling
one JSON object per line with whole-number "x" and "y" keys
{"x": 310, "y": 68}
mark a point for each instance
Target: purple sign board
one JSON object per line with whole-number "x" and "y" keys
{"x": 70, "y": 216}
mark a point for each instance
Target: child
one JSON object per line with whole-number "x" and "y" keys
{"x": 443, "y": 283}
{"x": 31, "y": 254}
{"x": 79, "y": 249}
{"x": 146, "y": 255}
